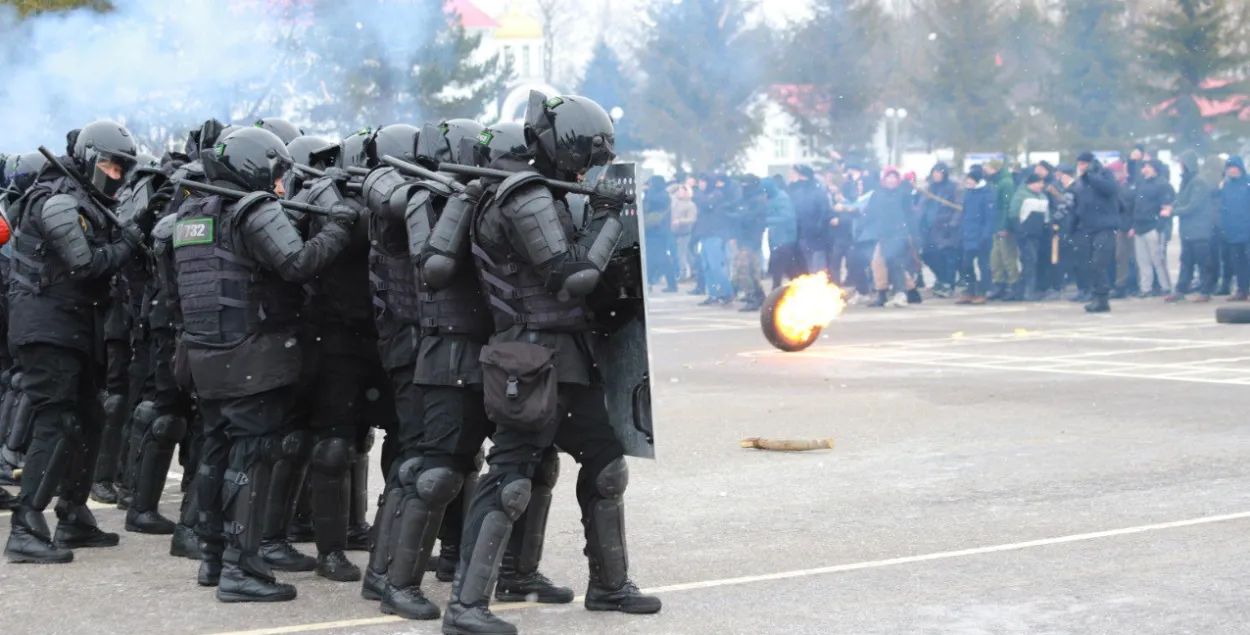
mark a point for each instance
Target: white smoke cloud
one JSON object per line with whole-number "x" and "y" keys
{"x": 164, "y": 66}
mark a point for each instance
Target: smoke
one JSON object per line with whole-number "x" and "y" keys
{"x": 162, "y": 67}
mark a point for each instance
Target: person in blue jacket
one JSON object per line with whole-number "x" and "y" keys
{"x": 1234, "y": 214}
{"x": 977, "y": 228}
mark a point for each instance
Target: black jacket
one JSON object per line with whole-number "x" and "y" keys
{"x": 1097, "y": 200}
{"x": 812, "y": 211}
{"x": 1150, "y": 196}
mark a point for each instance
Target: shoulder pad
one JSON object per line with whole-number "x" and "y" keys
{"x": 251, "y": 201}
{"x": 323, "y": 192}
{"x": 164, "y": 229}
{"x": 60, "y": 203}
{"x": 513, "y": 183}
{"x": 434, "y": 187}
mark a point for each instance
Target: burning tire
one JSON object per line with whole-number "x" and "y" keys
{"x": 793, "y": 316}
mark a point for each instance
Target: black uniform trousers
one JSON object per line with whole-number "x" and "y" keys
{"x": 1101, "y": 261}
{"x": 581, "y": 429}
{"x": 238, "y": 433}
{"x": 409, "y": 427}
{"x": 63, "y": 386}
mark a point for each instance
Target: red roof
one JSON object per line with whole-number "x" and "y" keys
{"x": 1233, "y": 104}
{"x": 471, "y": 17}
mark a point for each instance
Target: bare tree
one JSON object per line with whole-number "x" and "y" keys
{"x": 554, "y": 15}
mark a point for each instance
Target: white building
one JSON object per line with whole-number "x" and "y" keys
{"x": 517, "y": 35}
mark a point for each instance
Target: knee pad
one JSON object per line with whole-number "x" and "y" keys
{"x": 515, "y": 497}
{"x": 613, "y": 479}
{"x": 439, "y": 486}
{"x": 366, "y": 444}
{"x": 333, "y": 455}
{"x": 549, "y": 470}
{"x": 145, "y": 412}
{"x": 169, "y": 429}
{"x": 113, "y": 404}
{"x": 295, "y": 444}
{"x": 409, "y": 471}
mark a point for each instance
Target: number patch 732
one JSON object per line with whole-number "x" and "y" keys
{"x": 193, "y": 231}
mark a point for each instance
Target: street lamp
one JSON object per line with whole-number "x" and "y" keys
{"x": 617, "y": 113}
{"x": 895, "y": 115}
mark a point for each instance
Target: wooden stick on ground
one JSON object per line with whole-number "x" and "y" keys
{"x": 787, "y": 445}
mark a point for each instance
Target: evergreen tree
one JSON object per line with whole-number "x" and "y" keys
{"x": 1191, "y": 54}
{"x": 29, "y": 7}
{"x": 701, "y": 76}
{"x": 962, "y": 86}
{"x": 1092, "y": 96}
{"x": 447, "y": 82}
{"x": 606, "y": 84}
{"x": 837, "y": 55}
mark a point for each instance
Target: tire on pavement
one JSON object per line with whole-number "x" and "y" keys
{"x": 1233, "y": 315}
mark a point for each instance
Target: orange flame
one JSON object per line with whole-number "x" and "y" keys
{"x": 810, "y": 302}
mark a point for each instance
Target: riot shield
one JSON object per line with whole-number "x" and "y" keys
{"x": 621, "y": 350}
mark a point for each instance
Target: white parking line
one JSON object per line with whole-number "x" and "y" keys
{"x": 800, "y": 573}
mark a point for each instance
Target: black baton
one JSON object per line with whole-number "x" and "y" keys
{"x": 567, "y": 186}
{"x": 237, "y": 195}
{"x": 416, "y": 170}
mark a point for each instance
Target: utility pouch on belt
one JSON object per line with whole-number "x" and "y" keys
{"x": 519, "y": 384}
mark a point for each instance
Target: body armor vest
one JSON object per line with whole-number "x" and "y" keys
{"x": 459, "y": 308}
{"x": 225, "y": 297}
{"x": 517, "y": 294}
{"x": 33, "y": 269}
{"x": 392, "y": 274}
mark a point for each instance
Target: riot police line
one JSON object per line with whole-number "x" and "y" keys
{"x": 259, "y": 303}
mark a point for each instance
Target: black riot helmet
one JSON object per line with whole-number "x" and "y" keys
{"x": 101, "y": 141}
{"x": 250, "y": 158}
{"x": 458, "y": 137}
{"x": 500, "y": 140}
{"x": 20, "y": 171}
{"x": 573, "y": 133}
{"x": 351, "y": 152}
{"x": 301, "y": 148}
{"x": 285, "y": 130}
{"x": 145, "y": 162}
{"x": 398, "y": 140}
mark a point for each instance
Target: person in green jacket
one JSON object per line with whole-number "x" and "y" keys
{"x": 1030, "y": 211}
{"x": 1005, "y": 256}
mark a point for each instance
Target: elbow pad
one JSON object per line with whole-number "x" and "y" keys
{"x": 385, "y": 193}
{"x": 65, "y": 234}
{"x": 579, "y": 278}
{"x": 448, "y": 240}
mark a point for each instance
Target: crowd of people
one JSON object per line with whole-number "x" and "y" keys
{"x": 260, "y": 301}
{"x": 998, "y": 233}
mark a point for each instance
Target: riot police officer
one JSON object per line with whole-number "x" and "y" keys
{"x": 20, "y": 172}
{"x": 350, "y": 393}
{"x": 283, "y": 129}
{"x": 125, "y": 343}
{"x": 239, "y": 264}
{"x": 150, "y": 454}
{"x": 64, "y": 256}
{"x": 540, "y": 385}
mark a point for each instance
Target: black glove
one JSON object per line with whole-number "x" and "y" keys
{"x": 131, "y": 234}
{"x": 344, "y": 215}
{"x": 609, "y": 197}
{"x": 338, "y": 174}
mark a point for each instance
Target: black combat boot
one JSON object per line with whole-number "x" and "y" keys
{"x": 77, "y": 528}
{"x": 104, "y": 492}
{"x": 1098, "y": 305}
{"x": 280, "y": 555}
{"x": 30, "y": 542}
{"x": 624, "y": 598}
{"x": 335, "y": 566}
{"x": 184, "y": 543}
{"x": 531, "y": 586}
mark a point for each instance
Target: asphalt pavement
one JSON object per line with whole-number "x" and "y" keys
{"x": 999, "y": 470}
